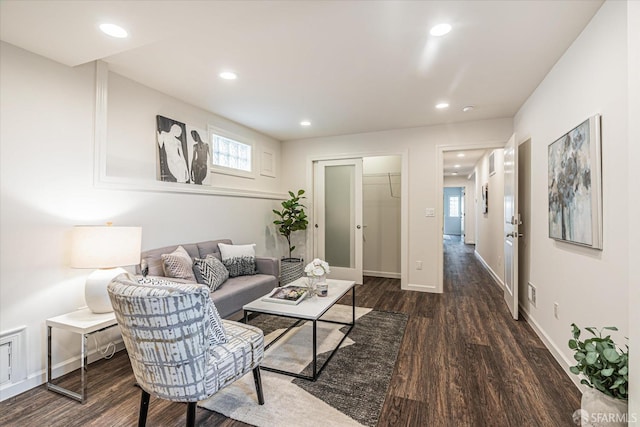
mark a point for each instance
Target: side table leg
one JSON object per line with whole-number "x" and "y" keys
{"x": 83, "y": 368}
{"x": 49, "y": 378}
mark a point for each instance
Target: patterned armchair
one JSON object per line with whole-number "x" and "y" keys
{"x": 179, "y": 348}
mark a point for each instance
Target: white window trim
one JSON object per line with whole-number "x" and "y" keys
{"x": 230, "y": 171}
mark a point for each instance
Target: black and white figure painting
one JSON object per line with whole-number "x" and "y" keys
{"x": 173, "y": 159}
{"x": 575, "y": 191}
{"x": 199, "y": 154}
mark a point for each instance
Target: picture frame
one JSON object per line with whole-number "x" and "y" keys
{"x": 492, "y": 163}
{"x": 575, "y": 185}
{"x": 485, "y": 198}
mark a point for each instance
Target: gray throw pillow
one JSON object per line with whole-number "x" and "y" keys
{"x": 210, "y": 271}
{"x": 178, "y": 265}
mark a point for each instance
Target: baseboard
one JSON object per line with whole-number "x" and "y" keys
{"x": 421, "y": 288}
{"x": 40, "y": 377}
{"x": 493, "y": 274}
{"x": 553, "y": 348}
{"x": 385, "y": 274}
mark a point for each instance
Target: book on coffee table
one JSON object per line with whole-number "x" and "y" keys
{"x": 287, "y": 295}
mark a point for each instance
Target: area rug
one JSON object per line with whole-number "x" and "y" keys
{"x": 349, "y": 392}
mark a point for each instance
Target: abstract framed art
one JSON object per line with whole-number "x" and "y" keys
{"x": 575, "y": 186}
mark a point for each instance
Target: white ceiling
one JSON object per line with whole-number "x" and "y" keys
{"x": 347, "y": 66}
{"x": 465, "y": 164}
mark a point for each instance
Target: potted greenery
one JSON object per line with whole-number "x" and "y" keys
{"x": 605, "y": 368}
{"x": 290, "y": 219}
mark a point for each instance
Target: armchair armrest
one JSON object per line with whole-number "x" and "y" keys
{"x": 268, "y": 265}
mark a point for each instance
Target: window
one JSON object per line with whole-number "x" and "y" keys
{"x": 230, "y": 156}
{"x": 454, "y": 206}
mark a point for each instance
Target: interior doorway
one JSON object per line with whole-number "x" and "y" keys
{"x": 454, "y": 211}
{"x": 376, "y": 189}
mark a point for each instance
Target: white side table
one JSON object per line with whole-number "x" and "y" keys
{"x": 83, "y": 322}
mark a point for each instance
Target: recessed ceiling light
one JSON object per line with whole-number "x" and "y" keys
{"x": 454, "y": 173}
{"x": 113, "y": 30}
{"x": 460, "y": 154}
{"x": 440, "y": 30}
{"x": 468, "y": 108}
{"x": 442, "y": 105}
{"x": 305, "y": 123}
{"x": 228, "y": 75}
{"x": 456, "y": 166}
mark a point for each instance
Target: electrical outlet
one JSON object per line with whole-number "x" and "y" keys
{"x": 532, "y": 293}
{"x": 556, "y": 310}
{"x": 418, "y": 265}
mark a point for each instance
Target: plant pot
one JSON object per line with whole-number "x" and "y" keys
{"x": 290, "y": 270}
{"x": 600, "y": 410}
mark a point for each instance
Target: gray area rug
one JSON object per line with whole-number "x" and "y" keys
{"x": 355, "y": 381}
{"x": 349, "y": 392}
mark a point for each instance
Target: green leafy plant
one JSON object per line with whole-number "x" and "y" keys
{"x": 291, "y": 218}
{"x": 604, "y": 364}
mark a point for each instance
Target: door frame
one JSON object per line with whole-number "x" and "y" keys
{"x": 404, "y": 201}
{"x": 440, "y": 150}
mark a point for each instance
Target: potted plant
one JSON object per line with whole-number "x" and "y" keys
{"x": 605, "y": 368}
{"x": 290, "y": 219}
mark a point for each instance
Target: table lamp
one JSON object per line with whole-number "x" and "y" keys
{"x": 105, "y": 248}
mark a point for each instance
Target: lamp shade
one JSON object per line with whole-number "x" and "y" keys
{"x": 105, "y": 246}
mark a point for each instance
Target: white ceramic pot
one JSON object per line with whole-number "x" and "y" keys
{"x": 600, "y": 410}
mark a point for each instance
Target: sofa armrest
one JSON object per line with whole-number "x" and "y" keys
{"x": 268, "y": 265}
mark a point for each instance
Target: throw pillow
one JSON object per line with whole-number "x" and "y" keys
{"x": 210, "y": 271}
{"x": 240, "y": 260}
{"x": 178, "y": 265}
{"x": 213, "y": 322}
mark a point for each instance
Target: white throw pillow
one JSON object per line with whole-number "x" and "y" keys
{"x": 240, "y": 260}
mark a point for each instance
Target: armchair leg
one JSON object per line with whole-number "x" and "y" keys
{"x": 258, "y": 380}
{"x": 144, "y": 409}
{"x": 191, "y": 414}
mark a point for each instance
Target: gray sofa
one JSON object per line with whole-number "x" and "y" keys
{"x": 232, "y": 294}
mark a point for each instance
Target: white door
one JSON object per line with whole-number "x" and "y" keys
{"x": 337, "y": 213}
{"x": 512, "y": 221}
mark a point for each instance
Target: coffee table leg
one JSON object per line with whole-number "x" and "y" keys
{"x": 315, "y": 345}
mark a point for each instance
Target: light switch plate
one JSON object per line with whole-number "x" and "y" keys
{"x": 430, "y": 212}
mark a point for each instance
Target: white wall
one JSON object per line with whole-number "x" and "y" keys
{"x": 420, "y": 145}
{"x": 46, "y": 178}
{"x": 590, "y": 286}
{"x": 381, "y": 216}
{"x": 469, "y": 204}
{"x": 490, "y": 225}
{"x": 633, "y": 51}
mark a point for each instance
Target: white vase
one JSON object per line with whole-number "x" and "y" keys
{"x": 600, "y": 410}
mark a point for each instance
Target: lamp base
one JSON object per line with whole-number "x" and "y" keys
{"x": 95, "y": 289}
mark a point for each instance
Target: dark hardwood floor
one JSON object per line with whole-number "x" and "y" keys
{"x": 463, "y": 362}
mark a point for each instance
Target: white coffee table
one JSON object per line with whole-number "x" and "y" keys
{"x": 311, "y": 309}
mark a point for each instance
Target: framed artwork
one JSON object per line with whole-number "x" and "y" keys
{"x": 198, "y": 154}
{"x": 173, "y": 160}
{"x": 575, "y": 186}
{"x": 485, "y": 198}
{"x": 492, "y": 163}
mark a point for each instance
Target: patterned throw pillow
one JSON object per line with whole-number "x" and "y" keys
{"x": 210, "y": 271}
{"x": 178, "y": 265}
{"x": 213, "y": 321}
{"x": 240, "y": 260}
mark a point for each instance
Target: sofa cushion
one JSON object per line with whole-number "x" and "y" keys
{"x": 210, "y": 271}
{"x": 240, "y": 260}
{"x": 211, "y": 247}
{"x": 178, "y": 264}
{"x": 238, "y": 291}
